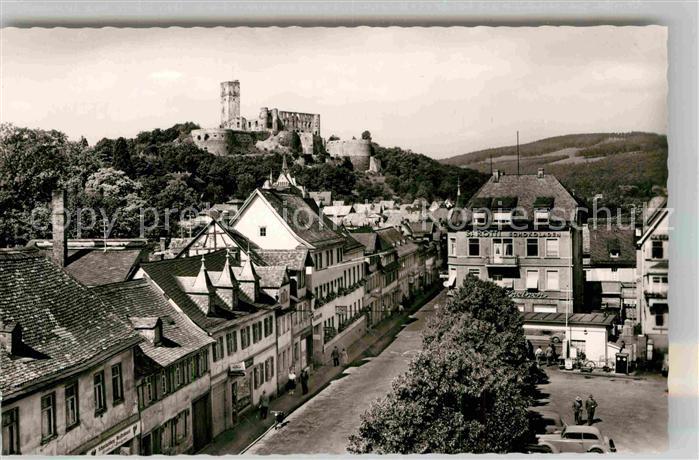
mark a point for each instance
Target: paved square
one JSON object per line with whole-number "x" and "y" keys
{"x": 631, "y": 412}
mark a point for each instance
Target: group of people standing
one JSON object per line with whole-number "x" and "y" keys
{"x": 336, "y": 356}
{"x": 590, "y": 406}
{"x": 550, "y": 355}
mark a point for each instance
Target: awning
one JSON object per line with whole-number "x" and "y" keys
{"x": 451, "y": 281}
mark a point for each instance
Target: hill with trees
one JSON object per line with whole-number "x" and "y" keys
{"x": 625, "y": 168}
{"x": 163, "y": 169}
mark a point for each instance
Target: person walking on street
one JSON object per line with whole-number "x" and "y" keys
{"x": 264, "y": 405}
{"x": 577, "y": 410}
{"x": 304, "y": 381}
{"x": 345, "y": 357}
{"x": 292, "y": 381}
{"x": 336, "y": 357}
{"x": 549, "y": 355}
{"x": 590, "y": 406}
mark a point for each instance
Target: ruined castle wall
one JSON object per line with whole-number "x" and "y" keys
{"x": 301, "y": 122}
{"x": 215, "y": 141}
{"x": 357, "y": 150}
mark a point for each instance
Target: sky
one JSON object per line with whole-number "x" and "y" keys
{"x": 441, "y": 91}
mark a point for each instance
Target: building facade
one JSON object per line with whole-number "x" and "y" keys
{"x": 521, "y": 232}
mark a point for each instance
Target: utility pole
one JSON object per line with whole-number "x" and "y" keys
{"x": 517, "y": 153}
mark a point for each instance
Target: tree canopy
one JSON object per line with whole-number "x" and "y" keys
{"x": 467, "y": 391}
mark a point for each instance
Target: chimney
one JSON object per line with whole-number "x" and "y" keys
{"x": 58, "y": 221}
{"x": 496, "y": 175}
{"x": 163, "y": 244}
{"x": 540, "y": 173}
{"x": 10, "y": 336}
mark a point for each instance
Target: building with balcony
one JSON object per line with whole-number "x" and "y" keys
{"x": 522, "y": 232}
{"x": 279, "y": 216}
{"x": 652, "y": 269}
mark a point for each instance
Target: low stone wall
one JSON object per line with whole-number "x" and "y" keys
{"x": 215, "y": 141}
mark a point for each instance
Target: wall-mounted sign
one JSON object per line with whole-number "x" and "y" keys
{"x": 117, "y": 440}
{"x": 659, "y": 237}
{"x": 248, "y": 362}
{"x": 527, "y": 295}
{"x": 500, "y": 233}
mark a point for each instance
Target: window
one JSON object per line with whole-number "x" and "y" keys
{"x": 255, "y": 335}
{"x": 541, "y": 216}
{"x": 99, "y": 393}
{"x": 573, "y": 436}
{"x": 479, "y": 217}
{"x": 10, "y": 432}
{"x": 232, "y": 342}
{"x": 532, "y": 247}
{"x": 452, "y": 246}
{"x": 263, "y": 231}
{"x": 657, "y": 251}
{"x": 552, "y": 280}
{"x": 659, "y": 319}
{"x": 71, "y": 397}
{"x": 532, "y": 280}
{"x": 552, "y": 247}
{"x": 474, "y": 247}
{"x": 502, "y": 247}
{"x": 590, "y": 436}
{"x": 245, "y": 337}
{"x": 117, "y": 384}
{"x": 218, "y": 349}
{"x": 48, "y": 416}
{"x": 614, "y": 253}
{"x": 163, "y": 384}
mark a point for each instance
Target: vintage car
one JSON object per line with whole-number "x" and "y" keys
{"x": 576, "y": 438}
{"x": 546, "y": 422}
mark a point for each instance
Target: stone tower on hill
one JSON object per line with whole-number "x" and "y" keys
{"x": 230, "y": 103}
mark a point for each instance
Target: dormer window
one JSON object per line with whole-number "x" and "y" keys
{"x": 501, "y": 216}
{"x": 541, "y": 216}
{"x": 542, "y": 209}
{"x": 479, "y": 217}
{"x": 150, "y": 327}
{"x": 614, "y": 248}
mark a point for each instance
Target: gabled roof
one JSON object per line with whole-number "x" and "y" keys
{"x": 64, "y": 324}
{"x": 95, "y": 265}
{"x": 240, "y": 241}
{"x": 337, "y": 211}
{"x": 607, "y": 237}
{"x": 389, "y": 237}
{"x": 293, "y": 259}
{"x": 302, "y": 217}
{"x": 272, "y": 277}
{"x": 370, "y": 240}
{"x": 139, "y": 302}
{"x": 166, "y": 274}
{"x": 526, "y": 188}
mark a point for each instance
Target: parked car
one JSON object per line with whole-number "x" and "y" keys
{"x": 576, "y": 438}
{"x": 547, "y": 422}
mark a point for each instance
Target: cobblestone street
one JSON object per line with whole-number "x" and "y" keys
{"x": 324, "y": 423}
{"x": 631, "y": 412}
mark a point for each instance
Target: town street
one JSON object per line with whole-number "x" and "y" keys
{"x": 323, "y": 425}
{"x": 631, "y": 412}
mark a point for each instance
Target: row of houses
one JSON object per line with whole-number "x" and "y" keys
{"x": 598, "y": 284}
{"x": 111, "y": 347}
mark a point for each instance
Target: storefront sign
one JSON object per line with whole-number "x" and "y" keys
{"x": 500, "y": 233}
{"x": 117, "y": 440}
{"x": 527, "y": 295}
{"x": 317, "y": 316}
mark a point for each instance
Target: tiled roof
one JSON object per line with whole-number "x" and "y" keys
{"x": 526, "y": 188}
{"x": 165, "y": 274}
{"x": 93, "y": 267}
{"x": 302, "y": 216}
{"x": 64, "y": 324}
{"x": 272, "y": 277}
{"x": 406, "y": 248}
{"x": 605, "y": 237}
{"x": 368, "y": 239}
{"x": 339, "y": 211}
{"x": 421, "y": 228}
{"x": 293, "y": 259}
{"x": 389, "y": 236}
{"x": 140, "y": 302}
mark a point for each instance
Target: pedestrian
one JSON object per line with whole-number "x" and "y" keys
{"x": 549, "y": 355}
{"x": 304, "y": 381}
{"x": 577, "y": 410}
{"x": 292, "y": 381}
{"x": 345, "y": 357}
{"x": 538, "y": 354}
{"x": 590, "y": 406}
{"x": 530, "y": 350}
{"x": 264, "y": 405}
{"x": 336, "y": 357}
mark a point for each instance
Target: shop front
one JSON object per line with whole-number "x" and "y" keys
{"x": 120, "y": 443}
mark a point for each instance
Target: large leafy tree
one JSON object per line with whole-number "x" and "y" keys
{"x": 466, "y": 392}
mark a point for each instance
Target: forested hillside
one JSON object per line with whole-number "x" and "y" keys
{"x": 163, "y": 169}
{"x": 625, "y": 168}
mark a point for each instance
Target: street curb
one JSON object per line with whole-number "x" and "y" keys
{"x": 608, "y": 376}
